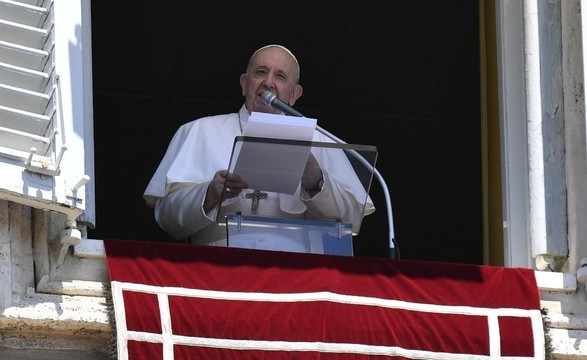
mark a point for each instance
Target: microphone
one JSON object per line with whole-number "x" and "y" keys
{"x": 272, "y": 100}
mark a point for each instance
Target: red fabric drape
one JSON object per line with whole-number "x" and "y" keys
{"x": 188, "y": 301}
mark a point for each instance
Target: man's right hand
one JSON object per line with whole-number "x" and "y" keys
{"x": 222, "y": 178}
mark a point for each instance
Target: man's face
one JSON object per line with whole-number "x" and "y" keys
{"x": 271, "y": 69}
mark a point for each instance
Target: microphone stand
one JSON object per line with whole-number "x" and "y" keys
{"x": 272, "y": 100}
{"x": 392, "y": 246}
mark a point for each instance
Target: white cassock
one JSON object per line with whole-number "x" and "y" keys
{"x": 202, "y": 147}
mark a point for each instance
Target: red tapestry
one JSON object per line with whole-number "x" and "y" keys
{"x": 179, "y": 302}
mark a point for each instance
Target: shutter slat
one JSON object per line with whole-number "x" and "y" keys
{"x": 32, "y": 2}
{"x": 22, "y": 141}
{"x": 22, "y": 77}
{"x": 22, "y": 99}
{"x": 35, "y": 124}
{"x": 22, "y": 13}
{"x": 22, "y": 34}
{"x": 23, "y": 56}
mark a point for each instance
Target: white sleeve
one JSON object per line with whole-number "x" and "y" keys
{"x": 180, "y": 213}
{"x": 335, "y": 202}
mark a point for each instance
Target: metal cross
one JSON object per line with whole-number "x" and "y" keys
{"x": 256, "y": 196}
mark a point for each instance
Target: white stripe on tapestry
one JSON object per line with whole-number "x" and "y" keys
{"x": 165, "y": 314}
{"x": 169, "y": 340}
{"x": 326, "y": 296}
{"x": 120, "y": 314}
{"x": 322, "y": 347}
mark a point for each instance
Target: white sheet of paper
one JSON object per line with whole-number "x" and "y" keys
{"x": 278, "y": 126}
{"x": 274, "y": 167}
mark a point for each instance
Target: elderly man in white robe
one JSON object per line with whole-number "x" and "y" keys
{"x": 192, "y": 182}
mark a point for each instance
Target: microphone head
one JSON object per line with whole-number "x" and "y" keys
{"x": 268, "y": 97}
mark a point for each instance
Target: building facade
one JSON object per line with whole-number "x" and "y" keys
{"x": 54, "y": 292}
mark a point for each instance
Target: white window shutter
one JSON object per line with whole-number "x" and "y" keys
{"x": 46, "y": 125}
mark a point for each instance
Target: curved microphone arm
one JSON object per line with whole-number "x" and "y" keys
{"x": 272, "y": 100}
{"x": 392, "y": 247}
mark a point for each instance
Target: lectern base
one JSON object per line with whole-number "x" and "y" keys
{"x": 292, "y": 235}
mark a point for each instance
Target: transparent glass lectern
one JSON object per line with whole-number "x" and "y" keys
{"x": 270, "y": 215}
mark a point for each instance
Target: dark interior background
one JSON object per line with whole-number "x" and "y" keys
{"x": 400, "y": 75}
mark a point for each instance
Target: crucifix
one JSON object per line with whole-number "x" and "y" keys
{"x": 256, "y": 196}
